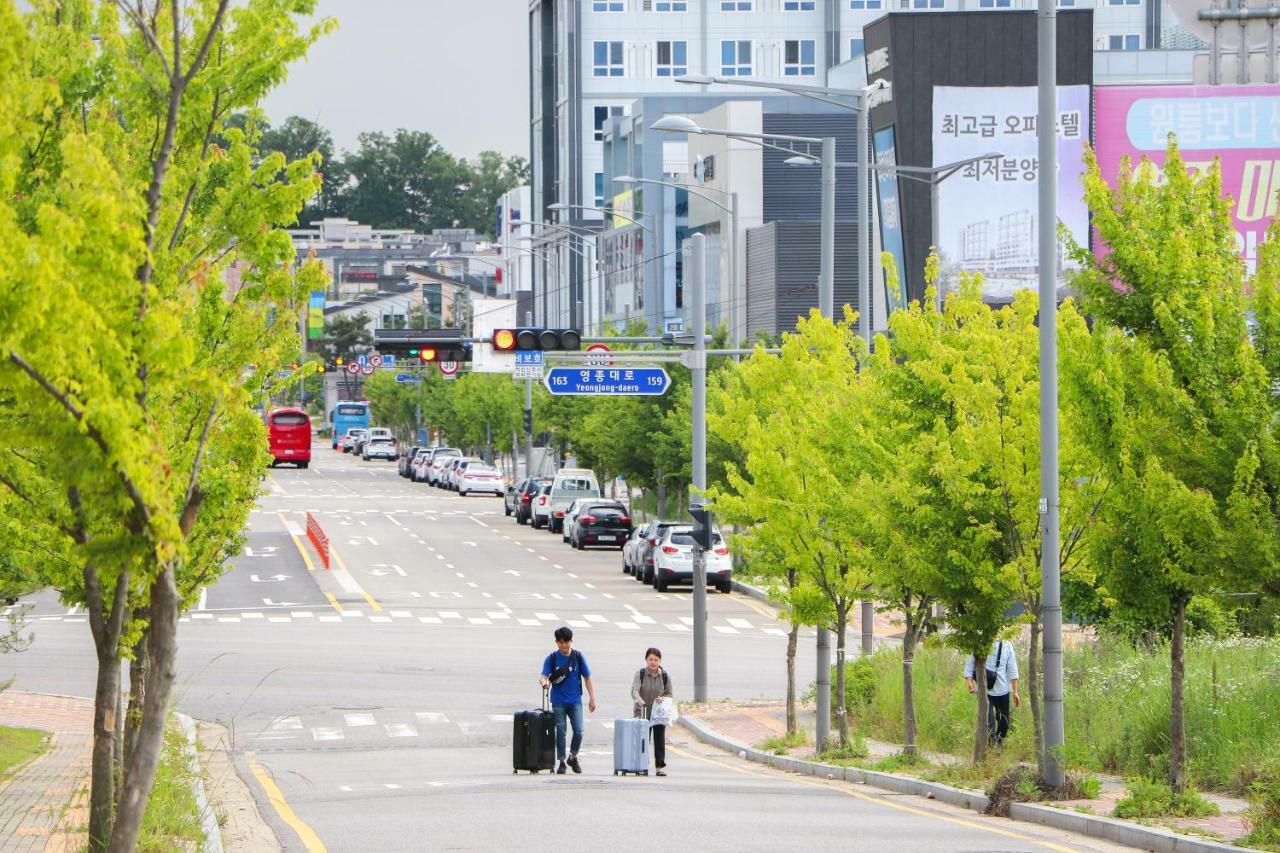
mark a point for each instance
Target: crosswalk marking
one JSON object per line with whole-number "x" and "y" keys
{"x": 550, "y": 617}
{"x": 530, "y": 623}
{"x": 430, "y": 620}
{"x": 327, "y": 733}
{"x": 595, "y": 617}
{"x": 577, "y": 623}
{"x": 431, "y": 717}
{"x": 450, "y": 614}
{"x": 479, "y": 620}
{"x": 628, "y": 626}
{"x": 740, "y": 623}
{"x": 724, "y": 629}
{"x": 288, "y": 724}
{"x": 354, "y": 720}
{"x": 401, "y": 730}
{"x": 676, "y": 626}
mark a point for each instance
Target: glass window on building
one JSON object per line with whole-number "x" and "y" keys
{"x": 735, "y": 58}
{"x": 928, "y": 4}
{"x": 799, "y": 5}
{"x": 673, "y": 58}
{"x": 671, "y": 6}
{"x": 607, "y": 59}
{"x": 864, "y": 4}
{"x": 599, "y": 189}
{"x": 857, "y": 47}
{"x": 1130, "y": 41}
{"x": 608, "y": 5}
{"x": 798, "y": 58}
{"x": 995, "y": 4}
{"x": 736, "y": 5}
{"x": 1124, "y": 2}
{"x": 601, "y": 117}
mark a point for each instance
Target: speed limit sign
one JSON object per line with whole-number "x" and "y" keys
{"x": 448, "y": 368}
{"x": 368, "y": 369}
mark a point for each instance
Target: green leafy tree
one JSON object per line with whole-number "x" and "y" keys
{"x": 297, "y": 138}
{"x": 405, "y": 181}
{"x": 119, "y": 214}
{"x": 347, "y": 336}
{"x": 488, "y": 177}
{"x": 1176, "y": 397}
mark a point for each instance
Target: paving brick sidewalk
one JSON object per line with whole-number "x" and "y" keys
{"x": 45, "y": 801}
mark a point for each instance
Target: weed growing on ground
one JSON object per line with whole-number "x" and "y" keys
{"x": 782, "y": 744}
{"x": 1264, "y": 815}
{"x": 845, "y": 755}
{"x": 900, "y": 761}
{"x": 1149, "y": 798}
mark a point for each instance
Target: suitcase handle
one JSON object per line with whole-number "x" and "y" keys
{"x": 546, "y": 698}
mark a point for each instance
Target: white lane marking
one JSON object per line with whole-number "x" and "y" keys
{"x": 401, "y": 572}
{"x": 550, "y": 617}
{"x": 495, "y": 614}
{"x": 379, "y": 618}
{"x": 449, "y": 614}
{"x": 451, "y": 566}
{"x": 322, "y": 733}
{"x": 688, "y": 620}
{"x": 487, "y": 594}
{"x": 575, "y": 623}
{"x": 479, "y": 620}
{"x": 279, "y": 619}
{"x": 287, "y": 724}
{"x": 430, "y": 620}
{"x": 431, "y": 717}
{"x": 402, "y": 614}
{"x": 393, "y": 520}
{"x": 401, "y": 730}
{"x": 354, "y": 720}
{"x": 595, "y": 617}
{"x": 347, "y": 582}
{"x": 723, "y": 629}
{"x": 530, "y": 550}
{"x": 740, "y": 623}
{"x": 589, "y": 585}
{"x": 641, "y": 618}
{"x": 499, "y": 718}
{"x": 353, "y": 614}
{"x": 228, "y": 618}
{"x": 330, "y": 618}
{"x": 431, "y": 549}
{"x": 608, "y": 595}
{"x": 473, "y": 584}
{"x": 274, "y": 737}
{"x": 250, "y": 615}
{"x": 776, "y": 632}
{"x": 530, "y": 623}
{"x": 301, "y": 614}
{"x": 542, "y": 558}
{"x": 628, "y": 626}
{"x": 675, "y": 626}
{"x": 204, "y": 598}
{"x": 478, "y": 521}
{"x": 557, "y": 565}
{"x": 608, "y": 724}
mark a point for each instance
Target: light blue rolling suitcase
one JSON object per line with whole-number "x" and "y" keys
{"x": 631, "y": 746}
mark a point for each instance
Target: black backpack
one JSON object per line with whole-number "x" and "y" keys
{"x": 665, "y": 684}
{"x": 560, "y": 673}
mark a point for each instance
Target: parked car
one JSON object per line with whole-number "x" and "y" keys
{"x": 630, "y": 547}
{"x": 570, "y": 513}
{"x": 673, "y": 560}
{"x": 439, "y": 465}
{"x": 433, "y": 456}
{"x": 524, "y": 494}
{"x": 540, "y": 508}
{"x": 454, "y": 469}
{"x": 372, "y": 432}
{"x": 600, "y": 523}
{"x": 403, "y": 467}
{"x": 642, "y": 551}
{"x": 380, "y": 447}
{"x": 349, "y": 440}
{"x": 569, "y": 485}
{"x": 479, "y": 477}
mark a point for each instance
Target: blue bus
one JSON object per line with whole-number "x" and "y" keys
{"x": 349, "y": 415}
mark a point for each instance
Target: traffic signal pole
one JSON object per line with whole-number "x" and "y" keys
{"x": 528, "y": 414}
{"x": 695, "y": 273}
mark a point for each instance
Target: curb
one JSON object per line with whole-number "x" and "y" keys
{"x": 751, "y": 591}
{"x": 1096, "y": 826}
{"x": 208, "y": 820}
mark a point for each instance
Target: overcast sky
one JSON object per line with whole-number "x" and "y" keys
{"x": 458, "y": 69}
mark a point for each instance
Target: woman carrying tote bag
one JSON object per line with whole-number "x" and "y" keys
{"x": 649, "y": 685}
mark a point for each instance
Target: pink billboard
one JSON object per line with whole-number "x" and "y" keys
{"x": 1238, "y": 125}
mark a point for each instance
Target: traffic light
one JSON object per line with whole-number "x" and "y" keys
{"x": 533, "y": 338}
{"x": 701, "y": 525}
{"x": 435, "y": 354}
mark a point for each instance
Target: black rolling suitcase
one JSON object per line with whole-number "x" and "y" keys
{"x": 534, "y": 742}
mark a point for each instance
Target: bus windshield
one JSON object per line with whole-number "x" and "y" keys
{"x": 348, "y": 416}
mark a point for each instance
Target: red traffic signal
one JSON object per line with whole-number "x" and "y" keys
{"x": 507, "y": 340}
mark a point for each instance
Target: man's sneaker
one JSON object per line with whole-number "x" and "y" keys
{"x": 573, "y": 762}
{"x": 561, "y": 769}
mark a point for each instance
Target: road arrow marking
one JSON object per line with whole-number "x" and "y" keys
{"x": 269, "y": 603}
{"x": 269, "y": 579}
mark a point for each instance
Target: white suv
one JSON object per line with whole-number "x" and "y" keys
{"x": 380, "y": 447}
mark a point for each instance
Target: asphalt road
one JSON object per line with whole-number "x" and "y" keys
{"x": 377, "y": 694}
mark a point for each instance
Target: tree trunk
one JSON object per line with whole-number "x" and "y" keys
{"x": 661, "y": 508}
{"x": 162, "y": 648}
{"x": 1033, "y": 689}
{"x": 909, "y": 688}
{"x": 138, "y": 666}
{"x": 842, "y": 715}
{"x": 981, "y": 734}
{"x": 793, "y": 638}
{"x": 1177, "y": 720}
{"x": 106, "y": 698}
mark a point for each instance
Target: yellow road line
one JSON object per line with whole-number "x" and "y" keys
{"x": 302, "y": 549}
{"x": 342, "y": 565}
{"x": 840, "y": 788}
{"x": 276, "y": 483}
{"x": 308, "y": 835}
{"x": 757, "y": 606}
{"x": 333, "y": 601}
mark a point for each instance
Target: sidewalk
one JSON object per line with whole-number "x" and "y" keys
{"x": 751, "y": 722}
{"x": 43, "y": 804}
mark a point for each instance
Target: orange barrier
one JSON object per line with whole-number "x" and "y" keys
{"x": 317, "y": 537}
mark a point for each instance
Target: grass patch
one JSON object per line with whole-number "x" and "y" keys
{"x": 899, "y": 762}
{"x": 17, "y": 746}
{"x": 847, "y": 755}
{"x": 973, "y": 776}
{"x": 1117, "y": 709}
{"x": 1264, "y": 816}
{"x": 781, "y": 744}
{"x": 172, "y": 819}
{"x": 1149, "y": 798}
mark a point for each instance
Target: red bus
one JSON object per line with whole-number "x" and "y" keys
{"x": 289, "y": 435}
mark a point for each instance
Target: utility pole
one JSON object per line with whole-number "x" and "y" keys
{"x": 695, "y": 273}
{"x": 528, "y": 413}
{"x": 1051, "y": 591}
{"x": 864, "y": 304}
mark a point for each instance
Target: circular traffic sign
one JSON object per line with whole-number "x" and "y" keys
{"x": 448, "y": 368}
{"x": 368, "y": 369}
{"x": 375, "y": 360}
{"x": 598, "y": 360}
{"x": 353, "y": 367}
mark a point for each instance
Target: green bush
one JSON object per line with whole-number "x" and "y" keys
{"x": 782, "y": 743}
{"x": 172, "y": 818}
{"x": 1149, "y": 798}
{"x": 856, "y": 749}
{"x": 1264, "y": 815}
{"x": 1117, "y": 709}
{"x": 860, "y": 683}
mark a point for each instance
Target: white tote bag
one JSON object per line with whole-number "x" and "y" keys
{"x": 664, "y": 712}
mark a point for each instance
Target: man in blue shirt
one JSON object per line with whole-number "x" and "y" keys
{"x": 565, "y": 671}
{"x": 1004, "y": 663}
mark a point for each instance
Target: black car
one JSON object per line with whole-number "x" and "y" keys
{"x": 521, "y": 496}
{"x": 604, "y": 523}
{"x": 407, "y": 459}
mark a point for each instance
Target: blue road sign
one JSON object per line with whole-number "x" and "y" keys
{"x": 620, "y": 381}
{"x": 408, "y": 377}
{"x": 529, "y": 358}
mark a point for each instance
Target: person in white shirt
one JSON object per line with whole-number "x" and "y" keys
{"x": 1003, "y": 661}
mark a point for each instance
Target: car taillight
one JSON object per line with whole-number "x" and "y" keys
{"x": 542, "y": 501}
{"x": 653, "y": 543}
{"x": 669, "y": 549}
{"x": 623, "y": 519}
{"x": 587, "y": 519}
{"x": 524, "y": 499}
{"x": 722, "y": 551}
{"x": 559, "y": 515}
